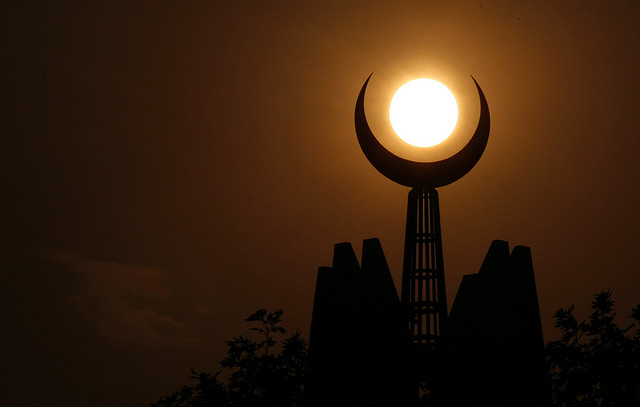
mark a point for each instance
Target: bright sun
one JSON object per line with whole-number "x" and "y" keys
{"x": 423, "y": 112}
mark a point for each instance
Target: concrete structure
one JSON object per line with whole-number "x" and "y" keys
{"x": 357, "y": 343}
{"x": 493, "y": 353}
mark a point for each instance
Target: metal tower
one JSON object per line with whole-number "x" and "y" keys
{"x": 423, "y": 290}
{"x": 423, "y": 287}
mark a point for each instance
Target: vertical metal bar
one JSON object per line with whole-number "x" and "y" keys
{"x": 420, "y": 260}
{"x": 441, "y": 289}
{"x": 409, "y": 253}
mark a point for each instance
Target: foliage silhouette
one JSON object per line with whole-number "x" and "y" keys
{"x": 263, "y": 372}
{"x": 595, "y": 362}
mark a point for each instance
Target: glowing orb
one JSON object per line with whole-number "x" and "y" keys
{"x": 423, "y": 112}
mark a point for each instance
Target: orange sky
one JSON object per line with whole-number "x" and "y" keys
{"x": 170, "y": 167}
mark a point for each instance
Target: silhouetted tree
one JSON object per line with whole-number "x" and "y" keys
{"x": 263, "y": 372}
{"x": 595, "y": 362}
{"x": 209, "y": 391}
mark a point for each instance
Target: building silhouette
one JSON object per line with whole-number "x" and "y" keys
{"x": 358, "y": 341}
{"x": 493, "y": 345}
{"x": 491, "y": 349}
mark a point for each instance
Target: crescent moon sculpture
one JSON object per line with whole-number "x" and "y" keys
{"x": 422, "y": 174}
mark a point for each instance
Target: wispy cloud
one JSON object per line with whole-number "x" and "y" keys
{"x": 127, "y": 302}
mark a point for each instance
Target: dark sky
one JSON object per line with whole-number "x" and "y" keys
{"x": 168, "y": 167}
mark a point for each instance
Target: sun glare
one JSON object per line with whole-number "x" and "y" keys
{"x": 423, "y": 112}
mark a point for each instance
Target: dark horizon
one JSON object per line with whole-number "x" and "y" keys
{"x": 170, "y": 168}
